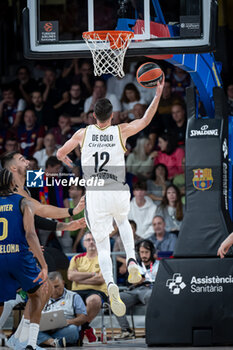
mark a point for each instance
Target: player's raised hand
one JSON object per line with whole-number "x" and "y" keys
{"x": 225, "y": 246}
{"x": 223, "y": 249}
{"x": 76, "y": 224}
{"x": 67, "y": 161}
{"x": 80, "y": 206}
{"x": 43, "y": 275}
{"x": 160, "y": 86}
{"x": 64, "y": 158}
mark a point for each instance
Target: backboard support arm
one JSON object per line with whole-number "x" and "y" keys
{"x": 205, "y": 73}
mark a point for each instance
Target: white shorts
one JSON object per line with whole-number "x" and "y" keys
{"x": 104, "y": 206}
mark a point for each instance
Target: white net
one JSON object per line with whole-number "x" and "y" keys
{"x": 108, "y": 51}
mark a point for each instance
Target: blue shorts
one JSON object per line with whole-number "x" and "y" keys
{"x": 17, "y": 270}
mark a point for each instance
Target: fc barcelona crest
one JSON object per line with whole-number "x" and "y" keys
{"x": 202, "y": 179}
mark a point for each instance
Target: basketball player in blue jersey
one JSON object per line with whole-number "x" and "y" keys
{"x": 17, "y": 164}
{"x": 18, "y": 266}
{"x": 102, "y": 157}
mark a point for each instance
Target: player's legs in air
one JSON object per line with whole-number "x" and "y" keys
{"x": 102, "y": 209}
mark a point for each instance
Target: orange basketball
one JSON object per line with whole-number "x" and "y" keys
{"x": 149, "y": 74}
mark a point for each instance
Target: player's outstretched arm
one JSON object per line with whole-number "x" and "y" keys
{"x": 50, "y": 211}
{"x": 31, "y": 236}
{"x": 225, "y": 246}
{"x": 72, "y": 225}
{"x": 52, "y": 225}
{"x": 129, "y": 129}
{"x": 71, "y": 144}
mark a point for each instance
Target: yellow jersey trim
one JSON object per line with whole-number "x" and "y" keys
{"x": 98, "y": 127}
{"x": 84, "y": 136}
{"x": 124, "y": 148}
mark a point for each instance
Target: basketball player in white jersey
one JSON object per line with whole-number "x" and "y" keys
{"x": 102, "y": 157}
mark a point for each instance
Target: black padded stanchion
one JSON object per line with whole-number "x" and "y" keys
{"x": 191, "y": 302}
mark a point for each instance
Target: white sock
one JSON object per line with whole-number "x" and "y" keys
{"x": 126, "y": 234}
{"x": 24, "y": 334}
{"x": 33, "y": 334}
{"x": 8, "y": 306}
{"x": 105, "y": 260}
{"x": 19, "y": 328}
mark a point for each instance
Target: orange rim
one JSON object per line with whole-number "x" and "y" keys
{"x": 103, "y": 34}
{"x": 115, "y": 34}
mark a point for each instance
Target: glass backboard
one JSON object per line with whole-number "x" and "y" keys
{"x": 53, "y": 28}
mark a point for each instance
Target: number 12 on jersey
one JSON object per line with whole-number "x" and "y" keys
{"x": 104, "y": 156}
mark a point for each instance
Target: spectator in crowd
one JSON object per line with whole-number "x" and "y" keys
{"x": 70, "y": 69}
{"x": 180, "y": 81}
{"x": 179, "y": 128}
{"x": 139, "y": 110}
{"x": 45, "y": 114}
{"x": 179, "y": 181}
{"x": 55, "y": 194}
{"x": 75, "y": 194}
{"x": 140, "y": 161}
{"x": 169, "y": 155}
{"x": 33, "y": 163}
{"x": 52, "y": 92}
{"x": 163, "y": 240}
{"x": 75, "y": 106}
{"x": 230, "y": 98}
{"x": 85, "y": 78}
{"x": 84, "y": 272}
{"x": 30, "y": 135}
{"x": 164, "y": 121}
{"x": 74, "y": 310}
{"x": 119, "y": 247}
{"x": 117, "y": 84}
{"x": 11, "y": 108}
{"x": 129, "y": 99}
{"x": 141, "y": 292}
{"x": 167, "y": 100}
{"x": 2, "y": 139}
{"x": 171, "y": 209}
{"x": 156, "y": 186}
{"x": 49, "y": 150}
{"x": 11, "y": 145}
{"x": 63, "y": 132}
{"x": 150, "y": 131}
{"x": 24, "y": 84}
{"x": 89, "y": 118}
{"x": 100, "y": 91}
{"x": 142, "y": 210}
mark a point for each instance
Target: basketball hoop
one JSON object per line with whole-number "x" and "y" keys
{"x": 108, "y": 50}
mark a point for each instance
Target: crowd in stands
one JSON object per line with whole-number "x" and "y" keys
{"x": 40, "y": 110}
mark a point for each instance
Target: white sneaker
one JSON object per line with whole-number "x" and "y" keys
{"x": 117, "y": 305}
{"x": 11, "y": 342}
{"x": 134, "y": 274}
{"x": 125, "y": 334}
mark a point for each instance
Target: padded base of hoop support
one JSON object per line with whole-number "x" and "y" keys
{"x": 191, "y": 303}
